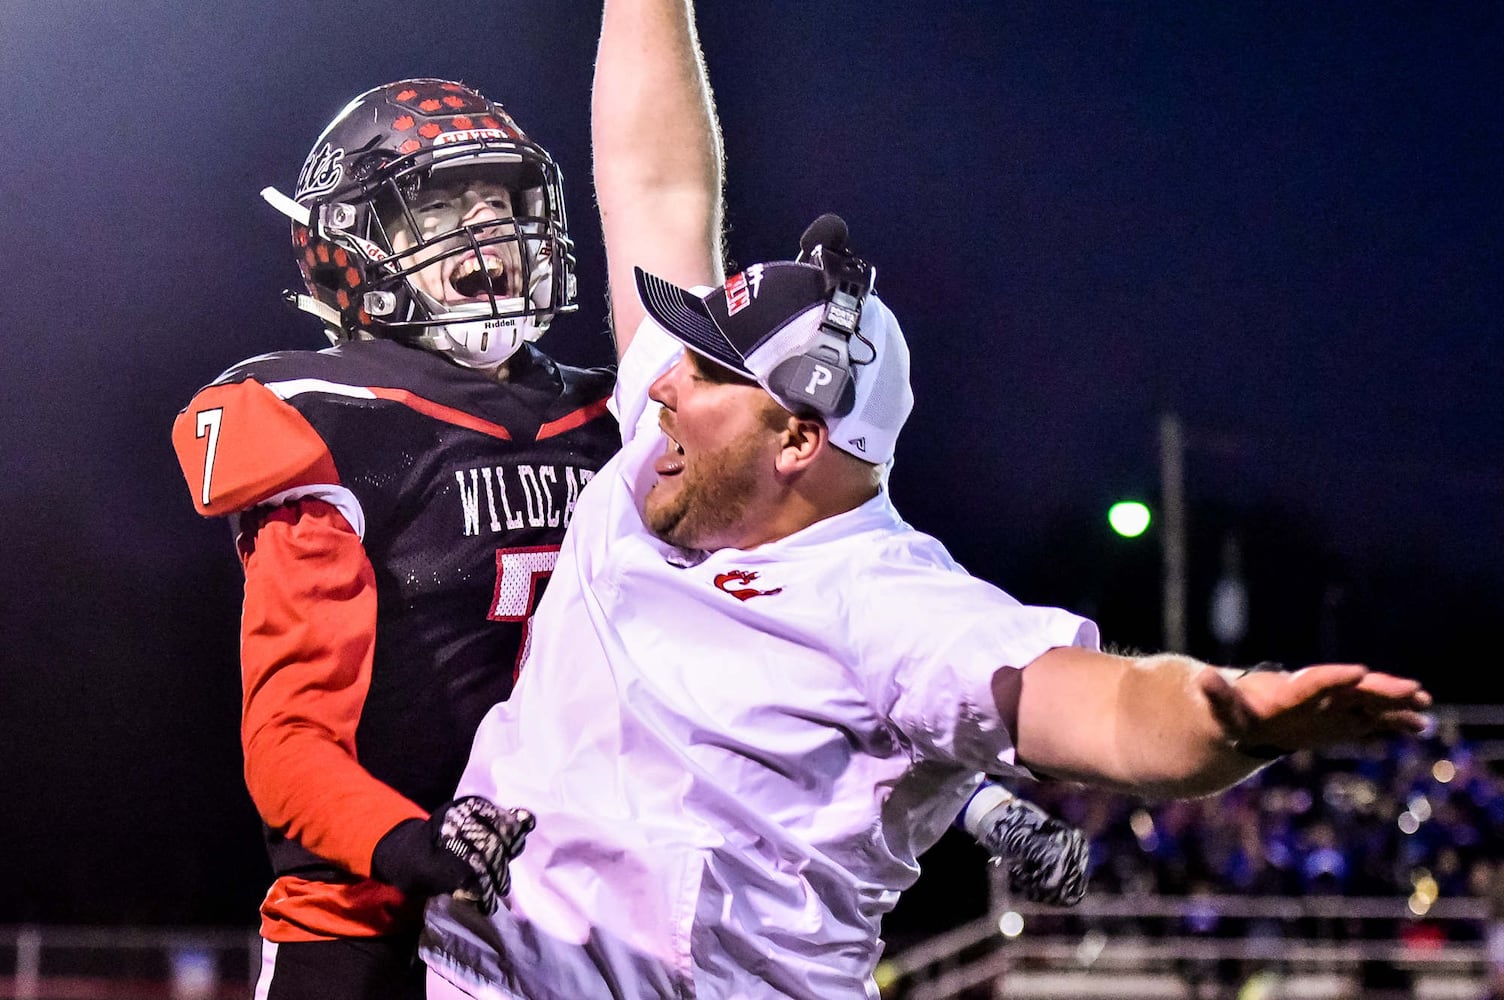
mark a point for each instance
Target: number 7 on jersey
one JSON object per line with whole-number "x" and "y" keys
{"x": 208, "y": 426}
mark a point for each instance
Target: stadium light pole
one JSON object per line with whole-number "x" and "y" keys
{"x": 1172, "y": 499}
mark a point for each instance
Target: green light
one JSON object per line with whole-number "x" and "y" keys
{"x": 1128, "y": 518}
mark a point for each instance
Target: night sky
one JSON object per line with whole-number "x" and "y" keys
{"x": 1280, "y": 221}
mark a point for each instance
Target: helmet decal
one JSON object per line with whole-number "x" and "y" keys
{"x": 322, "y": 172}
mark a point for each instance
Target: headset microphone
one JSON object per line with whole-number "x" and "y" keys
{"x": 829, "y": 230}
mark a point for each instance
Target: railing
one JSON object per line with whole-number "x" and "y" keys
{"x": 1117, "y": 948}
{"x": 101, "y": 963}
{"x": 1126, "y": 948}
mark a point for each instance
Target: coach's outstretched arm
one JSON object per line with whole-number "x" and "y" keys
{"x": 1169, "y": 725}
{"x": 657, "y": 152}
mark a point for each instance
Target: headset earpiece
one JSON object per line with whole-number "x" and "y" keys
{"x": 821, "y": 377}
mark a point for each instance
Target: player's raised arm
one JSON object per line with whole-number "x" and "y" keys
{"x": 657, "y": 152}
{"x": 1171, "y": 726}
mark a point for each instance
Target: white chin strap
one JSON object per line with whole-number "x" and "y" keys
{"x": 306, "y": 303}
{"x": 482, "y": 342}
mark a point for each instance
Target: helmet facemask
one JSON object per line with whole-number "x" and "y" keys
{"x": 471, "y": 264}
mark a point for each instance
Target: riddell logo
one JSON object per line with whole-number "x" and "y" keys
{"x": 742, "y": 593}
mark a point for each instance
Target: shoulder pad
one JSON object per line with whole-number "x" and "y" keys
{"x": 239, "y": 444}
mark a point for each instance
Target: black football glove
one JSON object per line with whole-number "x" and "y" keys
{"x": 463, "y": 848}
{"x": 1046, "y": 858}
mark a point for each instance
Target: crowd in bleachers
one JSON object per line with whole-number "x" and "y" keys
{"x": 1371, "y": 823}
{"x": 1416, "y": 818}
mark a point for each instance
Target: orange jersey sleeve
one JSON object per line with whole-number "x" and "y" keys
{"x": 307, "y": 637}
{"x": 238, "y": 444}
{"x": 296, "y": 909}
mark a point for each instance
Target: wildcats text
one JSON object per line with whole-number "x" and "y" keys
{"x": 507, "y": 497}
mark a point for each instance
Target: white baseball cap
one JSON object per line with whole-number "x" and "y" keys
{"x": 770, "y": 314}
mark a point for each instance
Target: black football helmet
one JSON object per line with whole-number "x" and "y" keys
{"x": 423, "y": 213}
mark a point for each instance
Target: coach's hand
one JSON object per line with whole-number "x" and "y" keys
{"x": 1274, "y": 712}
{"x": 463, "y": 848}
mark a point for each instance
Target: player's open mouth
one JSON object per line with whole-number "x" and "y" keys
{"x": 472, "y": 281}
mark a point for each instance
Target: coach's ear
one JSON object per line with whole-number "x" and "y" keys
{"x": 801, "y": 440}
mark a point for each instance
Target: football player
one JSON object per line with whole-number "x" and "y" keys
{"x": 398, "y": 501}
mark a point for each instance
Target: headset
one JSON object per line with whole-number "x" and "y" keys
{"x": 821, "y": 377}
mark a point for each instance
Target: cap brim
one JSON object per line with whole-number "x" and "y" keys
{"x": 683, "y": 315}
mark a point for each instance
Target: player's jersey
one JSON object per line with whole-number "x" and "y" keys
{"x": 457, "y": 490}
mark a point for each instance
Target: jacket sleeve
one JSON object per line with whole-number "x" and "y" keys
{"x": 308, "y": 634}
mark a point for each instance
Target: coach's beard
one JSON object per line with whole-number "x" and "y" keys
{"x": 703, "y": 506}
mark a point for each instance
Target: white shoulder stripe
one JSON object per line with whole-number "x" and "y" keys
{"x": 337, "y": 497}
{"x": 298, "y": 386}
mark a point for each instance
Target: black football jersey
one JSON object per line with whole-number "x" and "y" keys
{"x": 461, "y": 488}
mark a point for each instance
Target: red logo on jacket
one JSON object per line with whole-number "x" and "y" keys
{"x": 742, "y": 593}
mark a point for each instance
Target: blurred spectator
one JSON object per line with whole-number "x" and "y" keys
{"x": 1379, "y": 822}
{"x": 1414, "y": 819}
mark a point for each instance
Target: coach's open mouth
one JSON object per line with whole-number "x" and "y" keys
{"x": 671, "y": 462}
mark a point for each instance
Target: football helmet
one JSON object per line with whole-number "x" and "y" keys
{"x": 424, "y": 214}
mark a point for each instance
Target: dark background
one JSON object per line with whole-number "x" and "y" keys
{"x": 1279, "y": 221}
